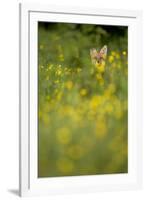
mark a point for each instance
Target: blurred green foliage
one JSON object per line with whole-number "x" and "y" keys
{"x": 82, "y": 110}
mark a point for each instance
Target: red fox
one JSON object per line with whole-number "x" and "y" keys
{"x": 98, "y": 57}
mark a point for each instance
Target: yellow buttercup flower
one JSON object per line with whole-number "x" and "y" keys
{"x": 111, "y": 59}
{"x": 110, "y": 90}
{"x": 63, "y": 135}
{"x": 109, "y": 108}
{"x": 69, "y": 85}
{"x": 117, "y": 55}
{"x": 56, "y": 81}
{"x": 113, "y": 53}
{"x": 59, "y": 96}
{"x": 61, "y": 57}
{"x": 42, "y": 67}
{"x": 79, "y": 69}
{"x": 100, "y": 67}
{"x": 100, "y": 79}
{"x": 95, "y": 102}
{"x": 58, "y": 72}
{"x": 124, "y": 53}
{"x": 83, "y": 92}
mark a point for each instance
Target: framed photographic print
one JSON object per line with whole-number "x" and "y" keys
{"x": 80, "y": 100}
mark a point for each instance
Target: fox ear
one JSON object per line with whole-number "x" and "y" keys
{"x": 93, "y": 54}
{"x": 103, "y": 51}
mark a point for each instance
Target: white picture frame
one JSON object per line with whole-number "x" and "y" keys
{"x": 30, "y": 184}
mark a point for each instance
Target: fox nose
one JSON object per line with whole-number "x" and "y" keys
{"x": 98, "y": 61}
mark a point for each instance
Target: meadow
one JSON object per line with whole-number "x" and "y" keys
{"x": 82, "y": 108}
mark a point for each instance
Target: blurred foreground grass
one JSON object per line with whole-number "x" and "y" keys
{"x": 82, "y": 110}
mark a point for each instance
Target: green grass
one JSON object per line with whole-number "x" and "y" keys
{"x": 82, "y": 110}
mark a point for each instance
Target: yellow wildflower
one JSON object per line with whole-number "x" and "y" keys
{"x": 95, "y": 101}
{"x": 100, "y": 79}
{"x": 111, "y": 59}
{"x": 113, "y": 53}
{"x": 56, "y": 81}
{"x": 117, "y": 55}
{"x": 69, "y": 85}
{"x": 59, "y": 96}
{"x": 83, "y": 92}
{"x": 47, "y": 78}
{"x": 98, "y": 76}
{"x": 50, "y": 66}
{"x": 61, "y": 57}
{"x": 124, "y": 53}
{"x": 58, "y": 72}
{"x": 41, "y": 66}
{"x": 63, "y": 135}
{"x": 100, "y": 67}
{"x": 110, "y": 90}
{"x": 79, "y": 69}
{"x": 109, "y": 108}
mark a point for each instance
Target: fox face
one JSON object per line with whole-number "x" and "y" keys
{"x": 98, "y": 58}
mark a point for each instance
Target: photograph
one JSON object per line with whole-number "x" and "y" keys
{"x": 82, "y": 99}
